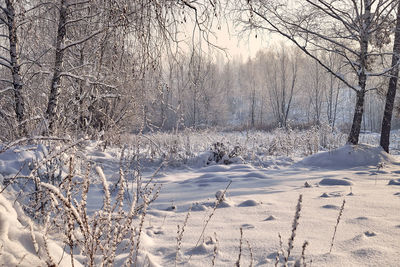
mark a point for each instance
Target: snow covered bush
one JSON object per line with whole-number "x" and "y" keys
{"x": 219, "y": 153}
{"x": 93, "y": 236}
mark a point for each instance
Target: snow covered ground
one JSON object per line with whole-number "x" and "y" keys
{"x": 261, "y": 200}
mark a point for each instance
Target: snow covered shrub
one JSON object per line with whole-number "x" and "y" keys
{"x": 312, "y": 140}
{"x": 283, "y": 142}
{"x": 39, "y": 163}
{"x": 92, "y": 237}
{"x": 219, "y": 154}
{"x": 218, "y": 151}
{"x": 113, "y": 230}
{"x": 51, "y": 171}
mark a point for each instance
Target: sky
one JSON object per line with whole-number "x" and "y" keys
{"x": 236, "y": 43}
{"x": 241, "y": 44}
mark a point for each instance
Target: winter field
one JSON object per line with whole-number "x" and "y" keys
{"x": 297, "y": 198}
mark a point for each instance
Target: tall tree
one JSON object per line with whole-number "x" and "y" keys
{"x": 9, "y": 18}
{"x": 391, "y": 93}
{"x": 55, "y": 81}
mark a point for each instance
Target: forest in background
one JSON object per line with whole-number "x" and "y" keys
{"x": 101, "y": 68}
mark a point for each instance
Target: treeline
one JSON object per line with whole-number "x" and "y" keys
{"x": 99, "y": 68}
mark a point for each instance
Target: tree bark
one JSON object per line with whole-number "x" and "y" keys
{"x": 391, "y": 93}
{"x": 362, "y": 77}
{"x": 55, "y": 82}
{"x": 19, "y": 105}
{"x": 357, "y": 119}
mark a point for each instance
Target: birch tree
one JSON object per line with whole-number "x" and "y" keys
{"x": 8, "y": 18}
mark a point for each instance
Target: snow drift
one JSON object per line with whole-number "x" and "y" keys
{"x": 349, "y": 156}
{"x": 20, "y": 246}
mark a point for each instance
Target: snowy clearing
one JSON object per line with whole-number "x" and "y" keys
{"x": 260, "y": 201}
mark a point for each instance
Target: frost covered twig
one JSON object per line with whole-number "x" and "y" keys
{"x": 179, "y": 238}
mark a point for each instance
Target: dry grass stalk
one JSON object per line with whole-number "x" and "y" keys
{"x": 140, "y": 230}
{"x": 303, "y": 250}
{"x": 295, "y": 224}
{"x": 251, "y": 253}
{"x": 179, "y": 238}
{"x": 237, "y": 264}
{"x": 219, "y": 200}
{"x": 337, "y": 223}
{"x": 215, "y": 252}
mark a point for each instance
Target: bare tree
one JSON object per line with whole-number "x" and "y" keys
{"x": 345, "y": 28}
{"x": 317, "y": 91}
{"x": 141, "y": 29}
{"x": 391, "y": 93}
{"x": 9, "y": 19}
{"x": 332, "y": 96}
{"x": 282, "y": 83}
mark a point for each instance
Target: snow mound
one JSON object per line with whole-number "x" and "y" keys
{"x": 247, "y": 226}
{"x": 369, "y": 234}
{"x": 226, "y": 204}
{"x": 349, "y": 156}
{"x": 394, "y": 182}
{"x": 199, "y": 207}
{"x": 331, "y": 194}
{"x": 201, "y": 249}
{"x": 270, "y": 218}
{"x": 249, "y": 203}
{"x": 331, "y": 207}
{"x": 331, "y": 181}
{"x": 19, "y": 245}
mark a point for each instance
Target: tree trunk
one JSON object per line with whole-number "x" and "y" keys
{"x": 391, "y": 93}
{"x": 253, "y": 103}
{"x": 55, "y": 82}
{"x": 357, "y": 119}
{"x": 15, "y": 68}
{"x": 362, "y": 77}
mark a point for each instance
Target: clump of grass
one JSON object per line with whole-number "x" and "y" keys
{"x": 337, "y": 223}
